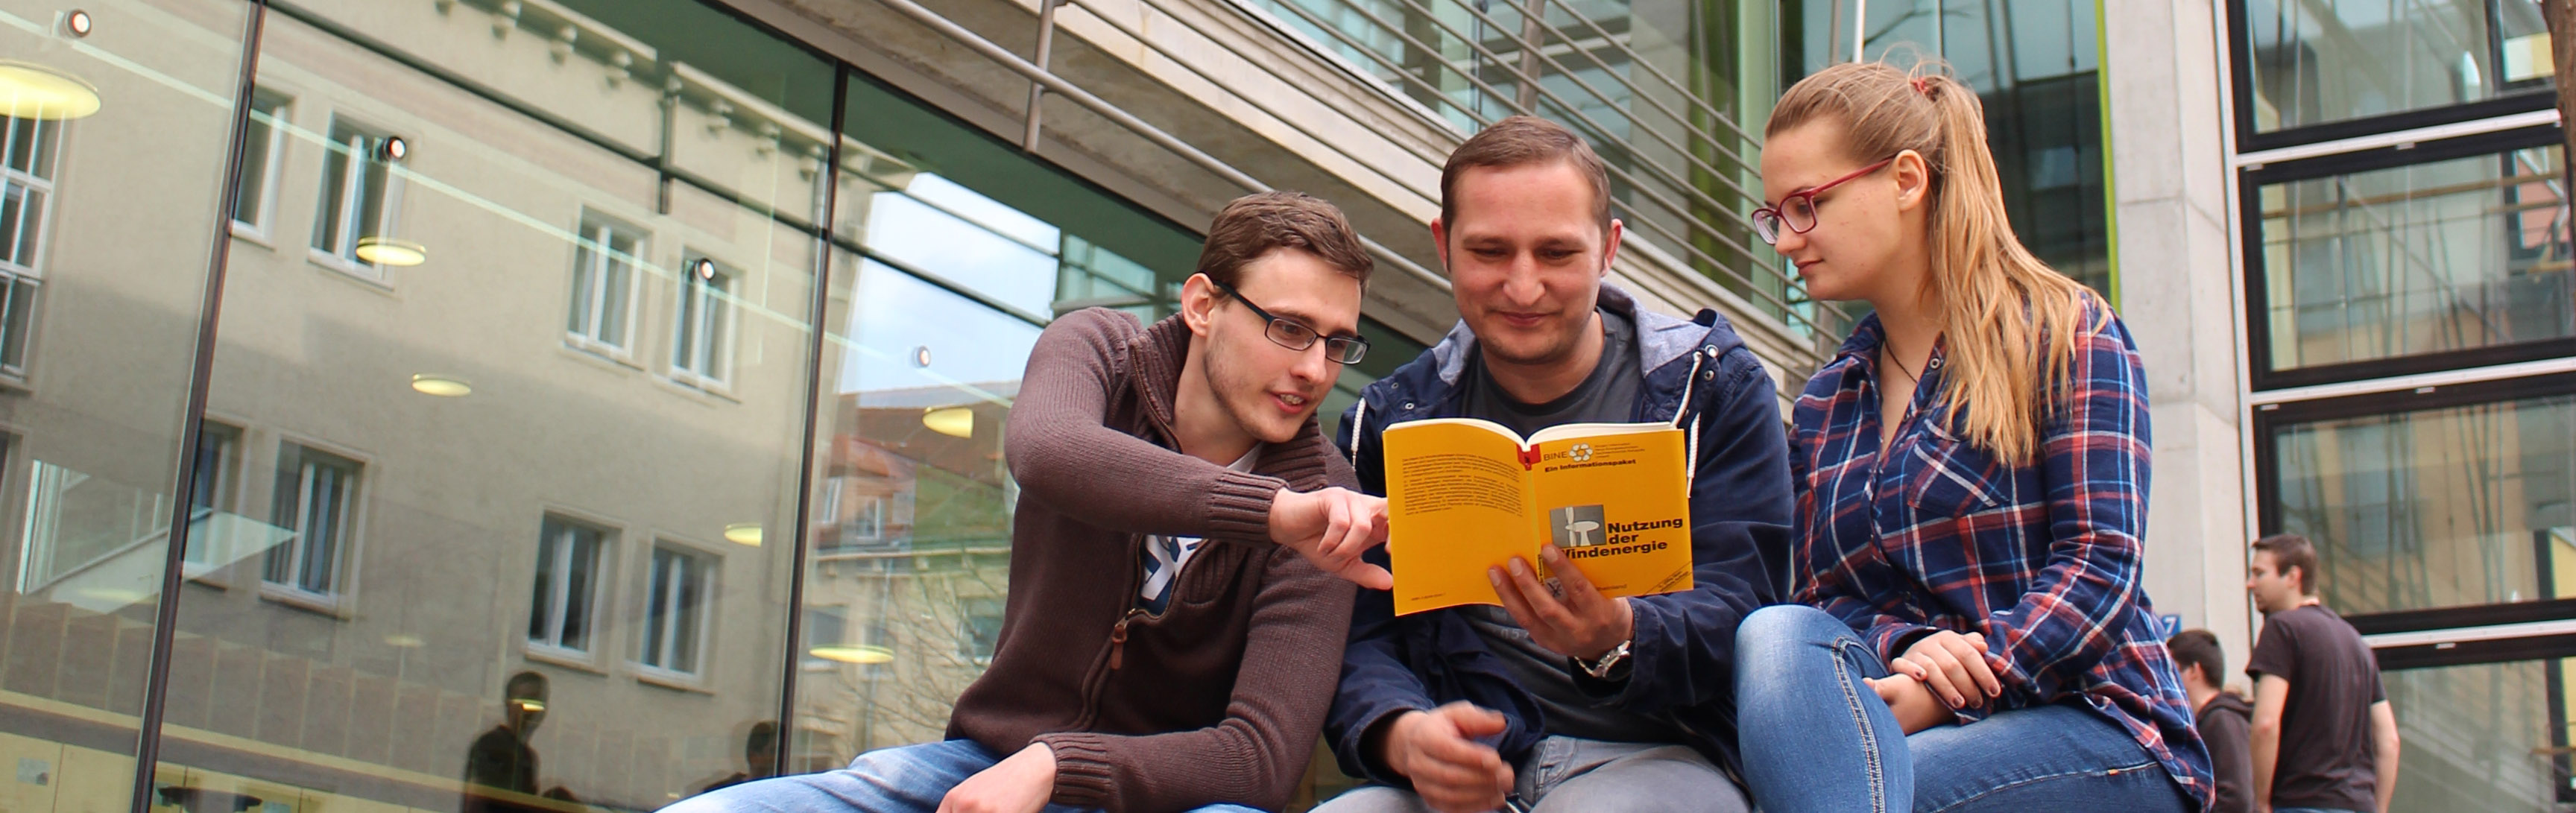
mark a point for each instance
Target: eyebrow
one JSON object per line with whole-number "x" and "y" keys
{"x": 1310, "y": 322}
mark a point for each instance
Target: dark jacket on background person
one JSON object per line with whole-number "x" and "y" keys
{"x": 1216, "y": 699}
{"x": 1699, "y": 376}
{"x": 2226, "y": 725}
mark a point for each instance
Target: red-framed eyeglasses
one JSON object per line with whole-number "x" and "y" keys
{"x": 1798, "y": 210}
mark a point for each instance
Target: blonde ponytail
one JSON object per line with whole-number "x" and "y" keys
{"x": 2008, "y": 322}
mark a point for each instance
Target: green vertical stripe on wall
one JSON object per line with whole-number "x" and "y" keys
{"x": 2110, "y": 179}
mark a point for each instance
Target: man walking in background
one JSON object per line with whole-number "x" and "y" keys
{"x": 2324, "y": 737}
{"x": 2221, "y": 716}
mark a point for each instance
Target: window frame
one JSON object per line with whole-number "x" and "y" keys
{"x": 346, "y": 544}
{"x": 703, "y": 565}
{"x": 342, "y": 256}
{"x": 2269, "y": 419}
{"x": 590, "y": 255}
{"x": 223, "y": 476}
{"x": 690, "y": 350}
{"x": 2252, "y": 180}
{"x": 278, "y": 107}
{"x": 28, "y": 277}
{"x": 601, "y": 553}
{"x": 2240, "y": 43}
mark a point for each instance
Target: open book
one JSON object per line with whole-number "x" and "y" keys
{"x": 1465, "y": 494}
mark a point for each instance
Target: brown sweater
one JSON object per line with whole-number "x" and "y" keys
{"x": 1220, "y": 698}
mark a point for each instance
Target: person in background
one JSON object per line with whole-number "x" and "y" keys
{"x": 2324, "y": 737}
{"x": 1971, "y": 467}
{"x": 2222, "y": 717}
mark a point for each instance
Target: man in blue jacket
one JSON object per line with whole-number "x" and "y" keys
{"x": 1563, "y": 699}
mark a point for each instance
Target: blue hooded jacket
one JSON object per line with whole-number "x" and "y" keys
{"x": 1699, "y": 376}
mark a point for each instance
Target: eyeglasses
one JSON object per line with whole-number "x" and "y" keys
{"x": 1298, "y": 337}
{"x": 1798, "y": 210}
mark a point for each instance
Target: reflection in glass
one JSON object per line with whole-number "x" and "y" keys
{"x": 2434, "y": 508}
{"x": 2320, "y": 62}
{"x": 2489, "y": 737}
{"x": 2449, "y": 255}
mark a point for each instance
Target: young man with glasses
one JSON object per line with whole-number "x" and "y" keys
{"x": 1562, "y": 699}
{"x": 1174, "y": 623}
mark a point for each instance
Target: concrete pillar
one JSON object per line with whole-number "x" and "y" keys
{"x": 2169, "y": 166}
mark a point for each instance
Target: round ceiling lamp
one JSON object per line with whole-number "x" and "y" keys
{"x": 862, "y": 654}
{"x": 392, "y": 252}
{"x": 31, "y": 91}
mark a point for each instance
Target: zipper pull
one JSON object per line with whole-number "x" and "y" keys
{"x": 1118, "y": 642}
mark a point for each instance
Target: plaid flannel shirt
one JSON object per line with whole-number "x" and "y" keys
{"x": 2043, "y": 560}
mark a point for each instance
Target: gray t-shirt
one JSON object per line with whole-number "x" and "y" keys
{"x": 1608, "y": 395}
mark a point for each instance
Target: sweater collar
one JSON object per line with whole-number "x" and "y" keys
{"x": 1154, "y": 361}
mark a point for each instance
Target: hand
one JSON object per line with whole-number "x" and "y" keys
{"x": 1952, "y": 666}
{"x": 1914, "y": 705}
{"x": 1582, "y": 624}
{"x": 1331, "y": 528}
{"x": 1021, "y": 784}
{"x": 1451, "y": 771}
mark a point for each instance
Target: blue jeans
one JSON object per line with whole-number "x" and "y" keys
{"x": 1816, "y": 738}
{"x": 1570, "y": 775}
{"x": 909, "y": 779}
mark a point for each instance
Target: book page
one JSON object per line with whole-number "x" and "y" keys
{"x": 1618, "y": 502}
{"x": 1457, "y": 502}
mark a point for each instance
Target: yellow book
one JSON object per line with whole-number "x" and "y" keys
{"x": 1465, "y": 494}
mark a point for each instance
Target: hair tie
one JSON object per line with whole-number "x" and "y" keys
{"x": 1922, "y": 85}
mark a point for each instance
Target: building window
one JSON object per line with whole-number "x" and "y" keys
{"x": 358, "y": 195}
{"x": 2456, "y": 497}
{"x": 603, "y": 285}
{"x": 561, "y": 611}
{"x": 675, "y": 610}
{"x": 867, "y": 523}
{"x": 700, "y": 338}
{"x": 212, "y": 491}
{"x": 263, "y": 161}
{"x": 2321, "y": 63}
{"x": 2365, "y": 268}
{"x": 316, "y": 493}
{"x": 30, "y": 150}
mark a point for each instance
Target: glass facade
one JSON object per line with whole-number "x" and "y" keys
{"x": 2319, "y": 63}
{"x": 2407, "y": 326}
{"x": 542, "y": 327}
{"x": 2452, "y": 255}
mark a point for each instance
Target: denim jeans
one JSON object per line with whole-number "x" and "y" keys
{"x": 909, "y": 779}
{"x": 1816, "y": 738}
{"x": 1569, "y": 775}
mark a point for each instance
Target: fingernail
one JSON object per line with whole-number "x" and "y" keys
{"x": 1519, "y": 568}
{"x": 1495, "y": 576}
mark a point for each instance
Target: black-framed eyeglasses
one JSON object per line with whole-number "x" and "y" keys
{"x": 1297, "y": 336}
{"x": 1798, "y": 210}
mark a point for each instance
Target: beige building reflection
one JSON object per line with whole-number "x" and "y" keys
{"x": 511, "y": 378}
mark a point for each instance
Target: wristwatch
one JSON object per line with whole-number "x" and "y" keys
{"x": 1600, "y": 669}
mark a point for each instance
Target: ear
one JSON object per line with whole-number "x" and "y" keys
{"x": 1440, "y": 241}
{"x": 1198, "y": 304}
{"x": 1913, "y": 177}
{"x": 1610, "y": 247}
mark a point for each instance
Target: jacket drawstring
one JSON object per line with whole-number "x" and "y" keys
{"x": 1682, "y": 414}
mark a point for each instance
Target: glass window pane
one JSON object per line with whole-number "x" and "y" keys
{"x": 252, "y": 196}
{"x": 2434, "y": 508}
{"x": 2449, "y": 255}
{"x": 2489, "y": 737}
{"x": 2319, "y": 62}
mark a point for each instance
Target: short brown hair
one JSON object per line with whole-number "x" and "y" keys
{"x": 1521, "y": 141}
{"x": 2199, "y": 648}
{"x": 1255, "y": 225}
{"x": 2289, "y": 551}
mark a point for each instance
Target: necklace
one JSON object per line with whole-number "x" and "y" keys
{"x": 1888, "y": 349}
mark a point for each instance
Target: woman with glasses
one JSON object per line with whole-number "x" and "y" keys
{"x": 1971, "y": 470}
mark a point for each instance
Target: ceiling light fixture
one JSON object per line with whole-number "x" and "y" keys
{"x": 743, "y": 533}
{"x": 31, "y": 91}
{"x": 861, "y": 654}
{"x": 77, "y": 23}
{"x": 392, "y": 252}
{"x": 441, "y": 386}
{"x": 394, "y": 148}
{"x": 956, "y": 422}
